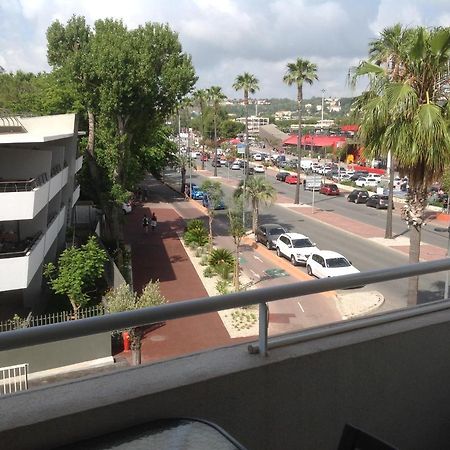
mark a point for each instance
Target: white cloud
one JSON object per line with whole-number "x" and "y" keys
{"x": 228, "y": 37}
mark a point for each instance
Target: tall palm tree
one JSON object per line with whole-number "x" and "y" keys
{"x": 387, "y": 51}
{"x": 215, "y": 96}
{"x": 249, "y": 84}
{"x": 409, "y": 117}
{"x": 258, "y": 190}
{"x": 299, "y": 72}
{"x": 200, "y": 97}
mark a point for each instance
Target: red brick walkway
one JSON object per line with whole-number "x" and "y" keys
{"x": 159, "y": 255}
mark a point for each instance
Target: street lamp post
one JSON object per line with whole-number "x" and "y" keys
{"x": 446, "y": 288}
{"x": 323, "y": 96}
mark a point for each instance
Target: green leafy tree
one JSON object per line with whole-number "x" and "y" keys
{"x": 76, "y": 273}
{"x": 215, "y": 196}
{"x": 408, "y": 116}
{"x": 215, "y": 97}
{"x": 123, "y": 299}
{"x": 200, "y": 98}
{"x": 258, "y": 190}
{"x": 231, "y": 128}
{"x": 299, "y": 72}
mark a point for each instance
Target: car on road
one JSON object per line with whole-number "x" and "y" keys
{"x": 366, "y": 181}
{"x": 359, "y": 173}
{"x": 291, "y": 179}
{"x": 258, "y": 157}
{"x": 268, "y": 234}
{"x": 295, "y": 247}
{"x": 235, "y": 166}
{"x": 329, "y": 189}
{"x": 259, "y": 169}
{"x": 378, "y": 201}
{"x": 196, "y": 193}
{"x": 205, "y": 202}
{"x": 325, "y": 263}
{"x": 358, "y": 196}
{"x": 281, "y": 176}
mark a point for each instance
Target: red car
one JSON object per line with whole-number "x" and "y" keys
{"x": 291, "y": 179}
{"x": 329, "y": 189}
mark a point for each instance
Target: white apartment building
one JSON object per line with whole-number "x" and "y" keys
{"x": 283, "y": 115}
{"x": 254, "y": 122}
{"x": 38, "y": 163}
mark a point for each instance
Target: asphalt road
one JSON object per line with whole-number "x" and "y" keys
{"x": 364, "y": 254}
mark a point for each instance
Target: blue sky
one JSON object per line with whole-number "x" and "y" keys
{"x": 228, "y": 37}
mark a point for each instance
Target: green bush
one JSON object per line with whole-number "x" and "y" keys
{"x": 198, "y": 237}
{"x": 224, "y": 270}
{"x": 204, "y": 260}
{"x": 209, "y": 272}
{"x": 221, "y": 256}
{"x": 195, "y": 224}
{"x": 347, "y": 183}
{"x": 223, "y": 287}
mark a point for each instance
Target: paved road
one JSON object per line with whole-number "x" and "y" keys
{"x": 358, "y": 245}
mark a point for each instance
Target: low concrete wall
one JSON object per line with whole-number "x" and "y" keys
{"x": 60, "y": 353}
{"x": 390, "y": 379}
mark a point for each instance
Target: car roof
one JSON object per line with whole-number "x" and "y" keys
{"x": 295, "y": 236}
{"x": 272, "y": 225}
{"x": 329, "y": 254}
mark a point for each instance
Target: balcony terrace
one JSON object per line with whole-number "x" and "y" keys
{"x": 387, "y": 374}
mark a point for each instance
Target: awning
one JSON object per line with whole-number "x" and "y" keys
{"x": 316, "y": 140}
{"x": 351, "y": 128}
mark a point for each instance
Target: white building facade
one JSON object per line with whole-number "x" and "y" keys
{"x": 38, "y": 189}
{"x": 254, "y": 123}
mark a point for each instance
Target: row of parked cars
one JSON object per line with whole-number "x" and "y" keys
{"x": 195, "y": 192}
{"x": 299, "y": 249}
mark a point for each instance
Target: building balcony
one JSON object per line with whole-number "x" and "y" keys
{"x": 24, "y": 199}
{"x": 386, "y": 374}
{"x": 20, "y": 260}
{"x": 75, "y": 195}
{"x": 78, "y": 163}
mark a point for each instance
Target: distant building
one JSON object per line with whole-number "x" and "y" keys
{"x": 283, "y": 115}
{"x": 333, "y": 104}
{"x": 254, "y": 123}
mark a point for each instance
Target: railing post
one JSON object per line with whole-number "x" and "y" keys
{"x": 263, "y": 328}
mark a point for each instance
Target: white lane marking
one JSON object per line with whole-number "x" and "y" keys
{"x": 301, "y": 307}
{"x": 255, "y": 274}
{"x": 258, "y": 258}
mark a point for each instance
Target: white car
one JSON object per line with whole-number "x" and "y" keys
{"x": 235, "y": 166}
{"x": 295, "y": 247}
{"x": 325, "y": 263}
{"x": 259, "y": 169}
{"x": 257, "y": 157}
{"x": 366, "y": 181}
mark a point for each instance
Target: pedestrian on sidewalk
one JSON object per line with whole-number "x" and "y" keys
{"x": 145, "y": 223}
{"x": 153, "y": 221}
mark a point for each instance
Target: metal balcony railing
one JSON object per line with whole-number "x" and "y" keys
{"x": 22, "y": 185}
{"x": 19, "y": 248}
{"x": 146, "y": 316}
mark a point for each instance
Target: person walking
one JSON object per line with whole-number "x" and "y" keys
{"x": 145, "y": 223}
{"x": 153, "y": 221}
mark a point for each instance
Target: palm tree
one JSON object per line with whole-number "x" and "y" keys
{"x": 200, "y": 97}
{"x": 249, "y": 84}
{"x": 299, "y": 72}
{"x": 213, "y": 189}
{"x": 408, "y": 116}
{"x": 386, "y": 51}
{"x": 258, "y": 191}
{"x": 215, "y": 96}
{"x": 237, "y": 231}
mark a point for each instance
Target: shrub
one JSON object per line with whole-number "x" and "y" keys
{"x": 195, "y": 224}
{"x": 224, "y": 270}
{"x": 223, "y": 287}
{"x": 209, "y": 272}
{"x": 221, "y": 256}
{"x": 197, "y": 236}
{"x": 204, "y": 260}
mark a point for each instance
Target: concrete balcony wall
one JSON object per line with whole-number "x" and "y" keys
{"x": 53, "y": 230}
{"x": 78, "y": 163}
{"x": 57, "y": 182}
{"x": 389, "y": 379}
{"x": 76, "y": 195}
{"x": 23, "y": 205}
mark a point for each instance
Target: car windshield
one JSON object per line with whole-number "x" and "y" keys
{"x": 300, "y": 243}
{"x": 337, "y": 262}
{"x": 274, "y": 231}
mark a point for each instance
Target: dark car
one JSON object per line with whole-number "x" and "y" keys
{"x": 268, "y": 234}
{"x": 250, "y": 171}
{"x": 358, "y": 196}
{"x": 281, "y": 176}
{"x": 216, "y": 163}
{"x": 378, "y": 201}
{"x": 358, "y": 174}
{"x": 205, "y": 201}
{"x": 243, "y": 163}
{"x": 329, "y": 189}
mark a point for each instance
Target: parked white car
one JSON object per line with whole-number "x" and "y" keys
{"x": 325, "y": 263}
{"x": 257, "y": 157}
{"x": 366, "y": 181}
{"x": 295, "y": 247}
{"x": 235, "y": 166}
{"x": 259, "y": 169}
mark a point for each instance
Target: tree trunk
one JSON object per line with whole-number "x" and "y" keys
{"x": 299, "y": 135}
{"x": 75, "y": 308}
{"x": 388, "y": 231}
{"x": 236, "y": 268}
{"x": 183, "y": 180}
{"x": 414, "y": 256}
{"x": 136, "y": 344}
{"x": 215, "y": 144}
{"x": 91, "y": 140}
{"x": 210, "y": 237}
{"x": 255, "y": 216}
{"x": 247, "y": 146}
